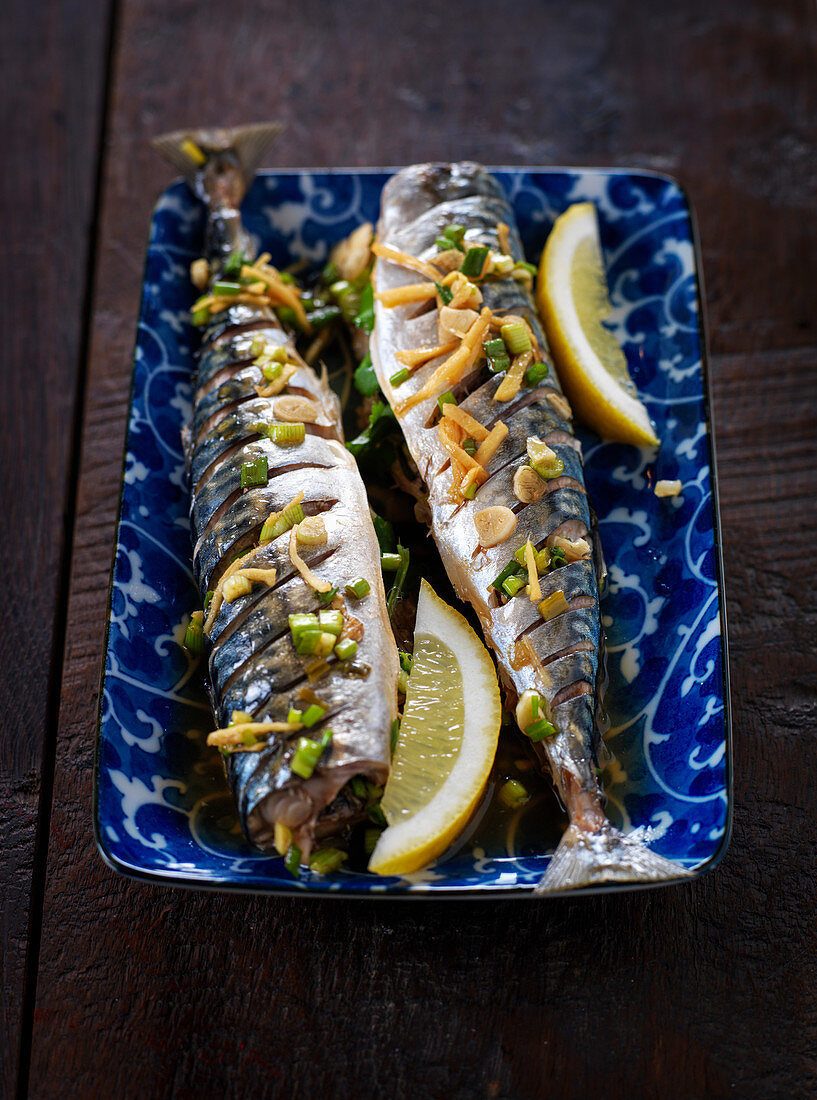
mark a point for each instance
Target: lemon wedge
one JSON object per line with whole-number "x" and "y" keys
{"x": 447, "y": 740}
{"x": 571, "y": 292}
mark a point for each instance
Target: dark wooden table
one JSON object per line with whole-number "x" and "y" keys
{"x": 115, "y": 989}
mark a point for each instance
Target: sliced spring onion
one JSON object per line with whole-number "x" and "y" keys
{"x": 294, "y": 717}
{"x": 396, "y": 590}
{"x": 399, "y": 376}
{"x": 358, "y": 785}
{"x": 287, "y": 433}
{"x": 221, "y": 286}
{"x": 553, "y": 605}
{"x": 512, "y": 585}
{"x": 286, "y": 315}
{"x": 308, "y": 753}
{"x": 330, "y": 272}
{"x": 523, "y": 266}
{"x": 497, "y": 355}
{"x": 346, "y": 649}
{"x": 469, "y": 446}
{"x": 446, "y": 398}
{"x": 326, "y": 861}
{"x": 406, "y": 660}
{"x": 549, "y": 470}
{"x": 271, "y": 371}
{"x": 200, "y": 316}
{"x": 511, "y": 569}
{"x": 194, "y": 635}
{"x": 300, "y": 623}
{"x": 513, "y": 795}
{"x": 332, "y": 621}
{"x": 377, "y": 816}
{"x": 540, "y": 730}
{"x": 279, "y": 522}
{"x": 312, "y": 714}
{"x": 402, "y": 682}
{"x": 235, "y": 586}
{"x": 451, "y": 237}
{"x": 234, "y": 262}
{"x": 208, "y": 597}
{"x": 359, "y": 587}
{"x": 470, "y": 492}
{"x": 323, "y": 316}
{"x": 557, "y": 557}
{"x": 292, "y": 860}
{"x": 445, "y": 292}
{"x": 325, "y": 598}
{"x": 516, "y": 337}
{"x": 535, "y": 373}
{"x": 474, "y": 260}
{"x": 389, "y": 563}
{"x": 254, "y": 473}
{"x": 500, "y": 265}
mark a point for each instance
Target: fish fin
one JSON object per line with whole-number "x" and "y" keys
{"x": 190, "y": 150}
{"x": 585, "y": 859}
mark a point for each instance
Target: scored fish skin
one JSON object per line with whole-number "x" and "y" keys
{"x": 559, "y": 659}
{"x": 251, "y": 661}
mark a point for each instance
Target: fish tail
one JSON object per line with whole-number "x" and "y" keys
{"x": 606, "y": 855}
{"x": 190, "y": 151}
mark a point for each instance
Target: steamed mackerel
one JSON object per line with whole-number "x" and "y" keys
{"x": 559, "y": 658}
{"x": 251, "y": 661}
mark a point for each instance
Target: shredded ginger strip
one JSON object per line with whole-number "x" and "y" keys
{"x": 314, "y": 582}
{"x": 404, "y": 259}
{"x": 454, "y": 367}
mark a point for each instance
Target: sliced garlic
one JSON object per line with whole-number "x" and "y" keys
{"x": 527, "y": 485}
{"x": 575, "y": 549}
{"x": 296, "y": 409}
{"x": 667, "y": 488}
{"x": 200, "y": 274}
{"x": 494, "y": 525}
{"x": 524, "y": 709}
{"x": 449, "y": 260}
{"x": 312, "y": 531}
{"x": 539, "y": 453}
{"x": 454, "y": 322}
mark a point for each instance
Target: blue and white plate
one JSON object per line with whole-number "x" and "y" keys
{"x": 162, "y": 809}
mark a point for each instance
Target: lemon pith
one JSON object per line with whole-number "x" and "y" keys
{"x": 572, "y": 297}
{"x": 447, "y": 741}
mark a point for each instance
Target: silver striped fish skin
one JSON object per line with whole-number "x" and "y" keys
{"x": 252, "y": 665}
{"x": 560, "y": 658}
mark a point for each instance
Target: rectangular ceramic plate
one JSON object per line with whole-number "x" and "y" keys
{"x": 162, "y": 810}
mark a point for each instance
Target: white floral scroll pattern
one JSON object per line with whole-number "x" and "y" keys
{"x": 162, "y": 807}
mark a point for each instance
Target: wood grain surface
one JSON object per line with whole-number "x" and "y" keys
{"x": 705, "y": 990}
{"x": 50, "y": 124}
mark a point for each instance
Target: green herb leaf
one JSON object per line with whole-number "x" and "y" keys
{"x": 445, "y": 293}
{"x": 366, "y": 379}
{"x": 365, "y": 313}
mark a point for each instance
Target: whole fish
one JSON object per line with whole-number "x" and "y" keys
{"x": 491, "y": 433}
{"x": 279, "y": 520}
